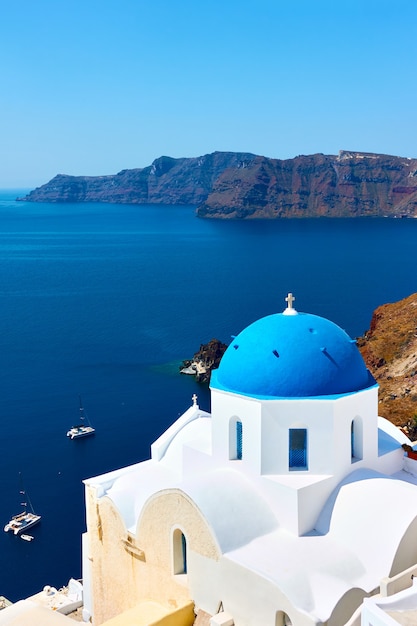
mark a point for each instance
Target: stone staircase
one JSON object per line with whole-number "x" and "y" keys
{"x": 202, "y": 618}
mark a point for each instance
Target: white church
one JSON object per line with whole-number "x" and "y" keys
{"x": 290, "y": 503}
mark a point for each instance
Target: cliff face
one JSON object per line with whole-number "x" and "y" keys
{"x": 242, "y": 185}
{"x": 349, "y": 185}
{"x": 390, "y": 352}
{"x": 167, "y": 181}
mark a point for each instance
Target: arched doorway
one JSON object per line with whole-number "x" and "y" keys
{"x": 179, "y": 552}
{"x": 282, "y": 619}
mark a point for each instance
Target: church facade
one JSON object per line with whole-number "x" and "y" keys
{"x": 287, "y": 504}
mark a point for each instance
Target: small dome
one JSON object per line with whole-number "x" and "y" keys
{"x": 292, "y": 355}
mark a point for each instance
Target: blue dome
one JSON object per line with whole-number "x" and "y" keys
{"x": 292, "y": 356}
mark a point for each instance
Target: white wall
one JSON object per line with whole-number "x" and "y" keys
{"x": 226, "y": 406}
{"x": 248, "y": 598}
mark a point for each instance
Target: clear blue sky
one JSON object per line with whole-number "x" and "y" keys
{"x": 95, "y": 86}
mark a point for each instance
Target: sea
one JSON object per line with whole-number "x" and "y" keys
{"x": 105, "y": 301}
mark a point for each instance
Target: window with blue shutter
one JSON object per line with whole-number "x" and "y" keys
{"x": 297, "y": 449}
{"x": 239, "y": 440}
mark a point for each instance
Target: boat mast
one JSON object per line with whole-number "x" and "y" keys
{"x": 81, "y": 411}
{"x": 25, "y": 496}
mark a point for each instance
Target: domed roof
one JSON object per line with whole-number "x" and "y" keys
{"x": 292, "y": 355}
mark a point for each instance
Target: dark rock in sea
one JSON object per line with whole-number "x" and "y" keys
{"x": 231, "y": 185}
{"x": 206, "y": 359}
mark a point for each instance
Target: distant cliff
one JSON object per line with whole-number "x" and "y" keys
{"x": 243, "y": 185}
{"x": 389, "y": 348}
{"x": 167, "y": 181}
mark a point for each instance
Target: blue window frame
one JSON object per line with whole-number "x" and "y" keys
{"x": 298, "y": 448}
{"x": 239, "y": 439}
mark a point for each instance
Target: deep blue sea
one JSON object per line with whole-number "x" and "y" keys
{"x": 105, "y": 301}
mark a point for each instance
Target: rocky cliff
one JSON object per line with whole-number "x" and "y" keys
{"x": 389, "y": 348}
{"x": 167, "y": 181}
{"x": 243, "y": 185}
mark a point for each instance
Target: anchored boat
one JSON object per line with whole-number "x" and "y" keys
{"x": 84, "y": 428}
{"x": 27, "y": 518}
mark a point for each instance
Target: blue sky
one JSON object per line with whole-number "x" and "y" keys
{"x": 90, "y": 87}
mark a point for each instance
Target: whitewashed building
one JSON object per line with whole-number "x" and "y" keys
{"x": 286, "y": 505}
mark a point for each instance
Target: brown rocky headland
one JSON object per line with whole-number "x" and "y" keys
{"x": 389, "y": 349}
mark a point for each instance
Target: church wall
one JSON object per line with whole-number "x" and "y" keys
{"x": 160, "y": 446}
{"x": 406, "y": 555}
{"x": 86, "y": 576}
{"x": 322, "y": 452}
{"x": 224, "y": 407}
{"x": 283, "y": 500}
{"x": 126, "y": 569}
{"x": 113, "y": 569}
{"x": 162, "y": 513}
{"x": 346, "y": 606}
{"x": 266, "y": 425}
{"x": 362, "y": 408}
{"x": 195, "y": 461}
{"x": 311, "y": 501}
{"x": 206, "y": 583}
{"x": 390, "y": 462}
{"x": 297, "y": 506}
{"x": 250, "y": 599}
{"x": 278, "y": 417}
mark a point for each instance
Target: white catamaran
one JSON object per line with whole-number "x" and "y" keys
{"x": 84, "y": 428}
{"x": 26, "y": 519}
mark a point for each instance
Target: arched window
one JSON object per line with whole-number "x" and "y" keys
{"x": 179, "y": 552}
{"x": 239, "y": 439}
{"x": 298, "y": 449}
{"x": 282, "y": 619}
{"x": 235, "y": 439}
{"x": 356, "y": 439}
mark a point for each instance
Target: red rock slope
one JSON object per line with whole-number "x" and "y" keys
{"x": 389, "y": 348}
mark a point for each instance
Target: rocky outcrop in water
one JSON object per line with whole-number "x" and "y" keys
{"x": 245, "y": 186}
{"x": 206, "y": 359}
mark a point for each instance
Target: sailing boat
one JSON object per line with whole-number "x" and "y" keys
{"x": 84, "y": 428}
{"x": 27, "y": 518}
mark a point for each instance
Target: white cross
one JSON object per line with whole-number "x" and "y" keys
{"x": 194, "y": 399}
{"x": 290, "y": 299}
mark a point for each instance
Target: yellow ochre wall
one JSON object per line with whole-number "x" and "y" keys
{"x": 127, "y": 569}
{"x": 151, "y": 614}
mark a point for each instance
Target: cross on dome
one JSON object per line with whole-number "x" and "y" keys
{"x": 290, "y": 309}
{"x": 194, "y": 399}
{"x": 290, "y": 299}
